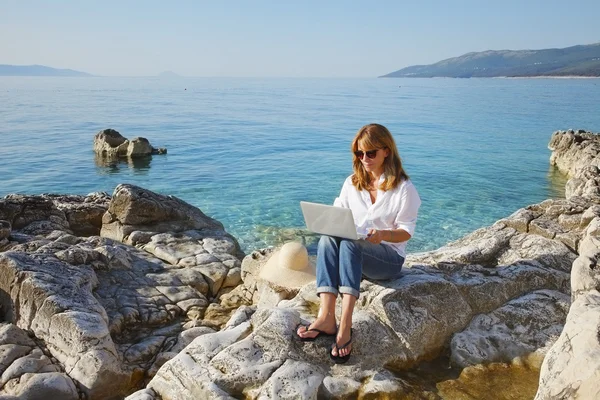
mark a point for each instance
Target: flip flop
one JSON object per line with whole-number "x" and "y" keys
{"x": 312, "y": 339}
{"x": 341, "y": 359}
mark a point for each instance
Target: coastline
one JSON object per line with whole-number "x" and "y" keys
{"x": 548, "y": 77}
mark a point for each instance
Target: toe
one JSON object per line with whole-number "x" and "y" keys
{"x": 306, "y": 333}
{"x": 334, "y": 351}
{"x": 301, "y": 330}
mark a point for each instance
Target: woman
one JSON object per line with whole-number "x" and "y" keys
{"x": 384, "y": 203}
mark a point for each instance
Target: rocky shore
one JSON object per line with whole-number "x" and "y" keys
{"x": 142, "y": 295}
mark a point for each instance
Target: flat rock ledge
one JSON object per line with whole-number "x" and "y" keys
{"x": 98, "y": 291}
{"x": 499, "y": 294}
{"x": 110, "y": 144}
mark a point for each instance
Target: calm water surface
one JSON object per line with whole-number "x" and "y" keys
{"x": 246, "y": 151}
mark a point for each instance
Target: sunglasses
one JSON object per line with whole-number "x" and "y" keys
{"x": 370, "y": 153}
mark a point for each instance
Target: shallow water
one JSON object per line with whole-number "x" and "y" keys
{"x": 497, "y": 381}
{"x": 437, "y": 380}
{"x": 246, "y": 151}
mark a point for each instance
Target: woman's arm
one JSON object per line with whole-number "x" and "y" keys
{"x": 404, "y": 222}
{"x": 392, "y": 235}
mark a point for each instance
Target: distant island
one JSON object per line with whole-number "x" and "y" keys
{"x": 169, "y": 74}
{"x": 582, "y": 60}
{"x": 37, "y": 70}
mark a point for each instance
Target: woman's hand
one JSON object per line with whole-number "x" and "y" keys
{"x": 374, "y": 236}
{"x": 391, "y": 236}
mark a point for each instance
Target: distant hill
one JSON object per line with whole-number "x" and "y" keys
{"x": 37, "y": 70}
{"x": 169, "y": 74}
{"x": 583, "y": 60}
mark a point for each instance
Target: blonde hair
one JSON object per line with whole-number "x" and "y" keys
{"x": 375, "y": 136}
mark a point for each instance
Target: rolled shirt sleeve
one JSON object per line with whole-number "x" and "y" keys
{"x": 409, "y": 208}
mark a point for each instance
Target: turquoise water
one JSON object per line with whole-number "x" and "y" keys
{"x": 246, "y": 151}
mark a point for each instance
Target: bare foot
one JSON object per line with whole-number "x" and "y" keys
{"x": 327, "y": 326}
{"x": 343, "y": 337}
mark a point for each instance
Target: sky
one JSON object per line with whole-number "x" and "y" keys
{"x": 279, "y": 38}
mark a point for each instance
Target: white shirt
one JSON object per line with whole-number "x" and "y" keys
{"x": 393, "y": 209}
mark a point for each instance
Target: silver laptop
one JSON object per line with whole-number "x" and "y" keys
{"x": 330, "y": 220}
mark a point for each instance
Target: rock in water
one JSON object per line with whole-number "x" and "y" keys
{"x": 110, "y": 144}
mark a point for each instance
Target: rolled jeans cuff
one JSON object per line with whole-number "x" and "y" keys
{"x": 349, "y": 290}
{"x": 327, "y": 289}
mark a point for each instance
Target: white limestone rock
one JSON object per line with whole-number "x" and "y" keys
{"x": 293, "y": 380}
{"x": 571, "y": 369}
{"x": 522, "y": 326}
{"x": 572, "y": 151}
{"x": 384, "y": 384}
{"x": 171, "y": 249}
{"x": 43, "y": 386}
{"x": 115, "y": 256}
{"x": 66, "y": 316}
{"x": 195, "y": 376}
{"x": 25, "y": 370}
{"x": 144, "y": 394}
{"x": 339, "y": 388}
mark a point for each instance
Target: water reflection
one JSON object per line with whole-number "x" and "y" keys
{"x": 556, "y": 183}
{"x": 110, "y": 165}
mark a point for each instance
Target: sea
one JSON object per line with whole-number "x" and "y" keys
{"x": 246, "y": 151}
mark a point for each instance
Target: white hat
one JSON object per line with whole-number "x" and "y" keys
{"x": 289, "y": 267}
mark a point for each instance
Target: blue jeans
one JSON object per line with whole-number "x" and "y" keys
{"x": 341, "y": 263}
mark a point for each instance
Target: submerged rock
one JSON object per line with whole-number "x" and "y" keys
{"x": 493, "y": 381}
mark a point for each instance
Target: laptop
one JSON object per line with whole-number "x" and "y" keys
{"x": 330, "y": 220}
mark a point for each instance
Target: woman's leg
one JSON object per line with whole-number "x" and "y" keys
{"x": 343, "y": 335}
{"x": 350, "y": 274}
{"x": 327, "y": 287}
{"x": 381, "y": 262}
{"x": 351, "y": 266}
{"x": 358, "y": 257}
{"x": 328, "y": 265}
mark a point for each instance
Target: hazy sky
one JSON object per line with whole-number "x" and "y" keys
{"x": 280, "y": 38}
